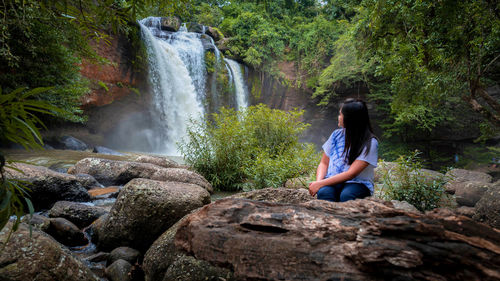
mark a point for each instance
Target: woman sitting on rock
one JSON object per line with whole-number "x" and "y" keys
{"x": 346, "y": 169}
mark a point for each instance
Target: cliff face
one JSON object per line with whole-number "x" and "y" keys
{"x": 113, "y": 80}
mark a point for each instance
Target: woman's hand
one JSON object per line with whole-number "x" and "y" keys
{"x": 314, "y": 187}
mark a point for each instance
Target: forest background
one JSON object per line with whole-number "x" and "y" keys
{"x": 426, "y": 65}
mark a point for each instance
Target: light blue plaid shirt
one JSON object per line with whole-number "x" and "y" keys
{"x": 334, "y": 149}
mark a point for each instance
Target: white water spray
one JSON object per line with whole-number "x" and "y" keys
{"x": 176, "y": 95}
{"x": 239, "y": 84}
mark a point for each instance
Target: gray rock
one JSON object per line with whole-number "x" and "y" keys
{"x": 158, "y": 161}
{"x": 391, "y": 169}
{"x": 405, "y": 206}
{"x": 80, "y": 214}
{"x": 111, "y": 172}
{"x": 47, "y": 186}
{"x": 465, "y": 211}
{"x": 163, "y": 261}
{"x": 124, "y": 253}
{"x": 487, "y": 209}
{"x": 68, "y": 142}
{"x": 37, "y": 221}
{"x": 279, "y": 195}
{"x": 297, "y": 183}
{"x": 461, "y": 175}
{"x": 105, "y": 150}
{"x": 119, "y": 270}
{"x": 38, "y": 257}
{"x": 194, "y": 27}
{"x": 146, "y": 208}
{"x": 88, "y": 181}
{"x": 223, "y": 44}
{"x": 99, "y": 257}
{"x": 66, "y": 232}
{"x": 468, "y": 193}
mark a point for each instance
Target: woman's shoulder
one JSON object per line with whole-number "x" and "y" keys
{"x": 338, "y": 132}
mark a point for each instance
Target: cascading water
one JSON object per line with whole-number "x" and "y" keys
{"x": 177, "y": 95}
{"x": 183, "y": 85}
{"x": 239, "y": 84}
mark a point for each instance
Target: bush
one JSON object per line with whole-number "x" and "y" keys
{"x": 255, "y": 148}
{"x": 406, "y": 182}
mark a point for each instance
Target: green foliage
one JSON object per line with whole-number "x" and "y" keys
{"x": 19, "y": 124}
{"x": 254, "y": 148}
{"x": 407, "y": 182}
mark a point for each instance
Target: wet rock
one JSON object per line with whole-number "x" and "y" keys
{"x": 105, "y": 150}
{"x": 87, "y": 181}
{"x": 66, "y": 232}
{"x": 195, "y": 27}
{"x": 99, "y": 257}
{"x": 223, "y": 44}
{"x": 111, "y": 172}
{"x": 468, "y": 193}
{"x": 487, "y": 209}
{"x": 208, "y": 46}
{"x": 170, "y": 23}
{"x": 164, "y": 262}
{"x": 80, "y": 214}
{"x": 118, "y": 271}
{"x": 362, "y": 239}
{"x": 124, "y": 253}
{"x": 280, "y": 195}
{"x": 67, "y": 142}
{"x": 461, "y": 175}
{"x": 38, "y": 257}
{"x": 47, "y": 186}
{"x": 158, "y": 161}
{"x": 145, "y": 209}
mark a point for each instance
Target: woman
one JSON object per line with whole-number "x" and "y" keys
{"x": 349, "y": 158}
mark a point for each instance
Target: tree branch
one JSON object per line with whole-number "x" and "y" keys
{"x": 476, "y": 106}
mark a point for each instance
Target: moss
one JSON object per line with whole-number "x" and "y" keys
{"x": 210, "y": 63}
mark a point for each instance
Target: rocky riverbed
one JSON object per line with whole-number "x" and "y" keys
{"x": 162, "y": 222}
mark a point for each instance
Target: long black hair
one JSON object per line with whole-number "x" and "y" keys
{"x": 358, "y": 129}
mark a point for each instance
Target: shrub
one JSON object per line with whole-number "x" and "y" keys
{"x": 406, "y": 181}
{"x": 254, "y": 148}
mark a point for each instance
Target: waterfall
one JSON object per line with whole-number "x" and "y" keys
{"x": 177, "y": 78}
{"x": 239, "y": 84}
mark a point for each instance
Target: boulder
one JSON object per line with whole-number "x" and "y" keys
{"x": 487, "y": 209}
{"x": 207, "y": 43}
{"x": 461, "y": 175}
{"x": 429, "y": 176}
{"x": 362, "y": 239}
{"x": 112, "y": 172}
{"x": 279, "y": 195}
{"x": 157, "y": 160}
{"x": 145, "y": 209}
{"x": 405, "y": 206}
{"x": 80, "y": 214}
{"x": 465, "y": 211}
{"x": 124, "y": 253}
{"x": 38, "y": 256}
{"x": 87, "y": 181}
{"x": 105, "y": 150}
{"x": 170, "y": 23}
{"x": 164, "y": 262}
{"x": 47, "y": 186}
{"x": 68, "y": 142}
{"x": 468, "y": 193}
{"x": 37, "y": 221}
{"x": 118, "y": 271}
{"x": 66, "y": 232}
